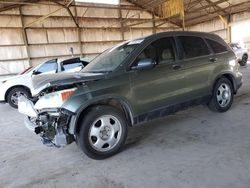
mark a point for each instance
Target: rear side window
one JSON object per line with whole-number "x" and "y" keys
{"x": 194, "y": 46}
{"x": 72, "y": 67}
{"x": 217, "y": 47}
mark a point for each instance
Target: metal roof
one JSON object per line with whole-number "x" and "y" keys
{"x": 198, "y": 11}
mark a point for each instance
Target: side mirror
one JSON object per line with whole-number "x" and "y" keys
{"x": 144, "y": 64}
{"x": 35, "y": 72}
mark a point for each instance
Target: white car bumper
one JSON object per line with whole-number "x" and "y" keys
{"x": 2, "y": 93}
{"x": 2, "y": 99}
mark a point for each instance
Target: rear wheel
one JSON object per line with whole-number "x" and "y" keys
{"x": 12, "y": 97}
{"x": 222, "y": 98}
{"x": 243, "y": 62}
{"x": 103, "y": 132}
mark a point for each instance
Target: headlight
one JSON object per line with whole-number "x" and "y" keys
{"x": 54, "y": 100}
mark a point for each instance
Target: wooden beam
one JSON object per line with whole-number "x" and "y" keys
{"x": 12, "y": 5}
{"x": 214, "y": 14}
{"x": 216, "y": 6}
{"x": 74, "y": 18}
{"x": 48, "y": 15}
{"x": 204, "y": 7}
{"x": 83, "y": 5}
{"x": 42, "y": 18}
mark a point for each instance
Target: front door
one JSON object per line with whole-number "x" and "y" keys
{"x": 162, "y": 85}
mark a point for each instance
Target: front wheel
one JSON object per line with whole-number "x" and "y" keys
{"x": 222, "y": 97}
{"x": 103, "y": 132}
{"x": 14, "y": 94}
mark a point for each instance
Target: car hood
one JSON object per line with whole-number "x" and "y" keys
{"x": 14, "y": 77}
{"x": 41, "y": 82}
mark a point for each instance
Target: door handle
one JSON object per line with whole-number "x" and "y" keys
{"x": 176, "y": 67}
{"x": 213, "y": 59}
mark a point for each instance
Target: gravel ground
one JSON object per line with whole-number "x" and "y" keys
{"x": 195, "y": 148}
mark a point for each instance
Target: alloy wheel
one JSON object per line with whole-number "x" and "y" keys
{"x": 105, "y": 133}
{"x": 224, "y": 95}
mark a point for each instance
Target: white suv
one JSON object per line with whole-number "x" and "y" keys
{"x": 240, "y": 52}
{"x": 11, "y": 88}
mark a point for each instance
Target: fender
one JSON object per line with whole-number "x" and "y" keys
{"x": 127, "y": 107}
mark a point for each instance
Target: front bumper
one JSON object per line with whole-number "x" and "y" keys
{"x": 51, "y": 124}
{"x": 2, "y": 95}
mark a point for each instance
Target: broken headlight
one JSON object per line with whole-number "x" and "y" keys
{"x": 54, "y": 100}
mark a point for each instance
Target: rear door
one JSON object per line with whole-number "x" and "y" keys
{"x": 161, "y": 86}
{"x": 199, "y": 61}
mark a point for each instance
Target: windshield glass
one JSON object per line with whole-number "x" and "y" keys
{"x": 112, "y": 58}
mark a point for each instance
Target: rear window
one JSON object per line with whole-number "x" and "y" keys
{"x": 194, "y": 46}
{"x": 217, "y": 47}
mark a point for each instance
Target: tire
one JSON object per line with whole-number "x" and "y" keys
{"x": 13, "y": 96}
{"x": 222, "y": 98}
{"x": 103, "y": 132}
{"x": 243, "y": 62}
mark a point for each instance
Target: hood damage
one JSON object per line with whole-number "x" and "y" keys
{"x": 51, "y": 123}
{"x": 51, "y": 83}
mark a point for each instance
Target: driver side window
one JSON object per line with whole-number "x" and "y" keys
{"x": 162, "y": 51}
{"x": 49, "y": 67}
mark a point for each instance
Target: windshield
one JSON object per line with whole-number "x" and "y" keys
{"x": 110, "y": 59}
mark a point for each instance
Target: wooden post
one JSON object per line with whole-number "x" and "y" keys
{"x": 227, "y": 26}
{"x": 121, "y": 21}
{"x": 78, "y": 32}
{"x": 153, "y": 21}
{"x": 25, "y": 38}
{"x": 183, "y": 17}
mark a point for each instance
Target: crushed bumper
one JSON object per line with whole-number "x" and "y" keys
{"x": 29, "y": 124}
{"x": 51, "y": 124}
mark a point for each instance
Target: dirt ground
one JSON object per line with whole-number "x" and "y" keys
{"x": 195, "y": 148}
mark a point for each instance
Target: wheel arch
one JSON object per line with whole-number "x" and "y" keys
{"x": 230, "y": 77}
{"x": 13, "y": 87}
{"x": 246, "y": 54}
{"x": 116, "y": 102}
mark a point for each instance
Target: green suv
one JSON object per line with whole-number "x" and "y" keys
{"x": 129, "y": 84}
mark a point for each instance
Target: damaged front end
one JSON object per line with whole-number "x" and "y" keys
{"x": 51, "y": 124}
